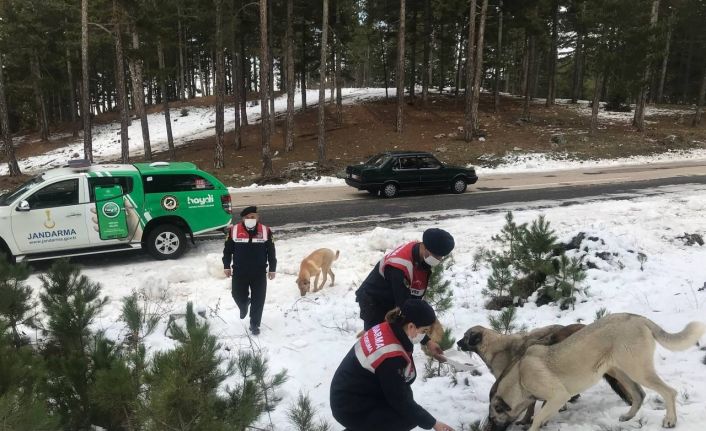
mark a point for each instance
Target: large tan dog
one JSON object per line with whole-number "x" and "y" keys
{"x": 620, "y": 344}
{"x": 498, "y": 351}
{"x": 315, "y": 264}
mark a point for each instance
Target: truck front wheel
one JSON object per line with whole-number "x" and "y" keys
{"x": 166, "y": 242}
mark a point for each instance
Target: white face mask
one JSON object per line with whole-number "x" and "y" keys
{"x": 431, "y": 260}
{"x": 418, "y": 338}
{"x": 250, "y": 223}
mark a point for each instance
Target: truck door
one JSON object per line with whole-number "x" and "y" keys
{"x": 55, "y": 219}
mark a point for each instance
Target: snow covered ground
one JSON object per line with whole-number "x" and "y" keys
{"x": 309, "y": 336}
{"x": 197, "y": 124}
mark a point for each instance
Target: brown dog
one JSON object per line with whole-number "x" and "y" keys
{"x": 498, "y": 351}
{"x": 315, "y": 264}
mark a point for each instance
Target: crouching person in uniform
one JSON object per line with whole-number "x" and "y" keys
{"x": 250, "y": 249}
{"x": 370, "y": 390}
{"x": 403, "y": 274}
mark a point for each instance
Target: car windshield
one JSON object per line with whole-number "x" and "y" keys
{"x": 10, "y": 197}
{"x": 378, "y": 160}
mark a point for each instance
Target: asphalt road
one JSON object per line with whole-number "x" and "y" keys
{"x": 311, "y": 209}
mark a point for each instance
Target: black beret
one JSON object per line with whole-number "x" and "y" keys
{"x": 418, "y": 312}
{"x": 438, "y": 241}
{"x": 248, "y": 210}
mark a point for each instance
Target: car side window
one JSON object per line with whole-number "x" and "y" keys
{"x": 124, "y": 182}
{"x": 429, "y": 162}
{"x": 406, "y": 163}
{"x": 166, "y": 183}
{"x": 59, "y": 194}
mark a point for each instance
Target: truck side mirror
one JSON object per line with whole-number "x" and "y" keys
{"x": 23, "y": 206}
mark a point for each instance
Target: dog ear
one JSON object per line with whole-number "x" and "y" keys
{"x": 475, "y": 338}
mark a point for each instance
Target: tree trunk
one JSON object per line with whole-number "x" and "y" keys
{"x": 289, "y": 138}
{"x": 427, "y": 51}
{"x": 9, "y": 148}
{"x": 243, "y": 73}
{"x": 442, "y": 58}
{"x": 337, "y": 72}
{"x": 120, "y": 84}
{"x": 271, "y": 74}
{"x": 527, "y": 78}
{"x": 42, "y": 122}
{"x": 165, "y": 99}
{"x": 699, "y": 105}
{"x": 459, "y": 62}
{"x": 237, "y": 80}
{"x": 687, "y": 70}
{"x": 498, "y": 59}
{"x": 639, "y": 118}
{"x": 72, "y": 94}
{"x": 478, "y": 74}
{"x": 303, "y": 69}
{"x": 470, "y": 69}
{"x": 578, "y": 66}
{"x": 218, "y": 158}
{"x": 322, "y": 87}
{"x": 413, "y": 54}
{"x": 265, "y": 92}
{"x": 551, "y": 87}
{"x": 400, "y": 68}
{"x": 383, "y": 50}
{"x": 665, "y": 56}
{"x": 596, "y": 103}
{"x": 138, "y": 91}
{"x": 85, "y": 82}
{"x": 180, "y": 36}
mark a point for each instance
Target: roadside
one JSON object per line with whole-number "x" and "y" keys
{"x": 556, "y": 135}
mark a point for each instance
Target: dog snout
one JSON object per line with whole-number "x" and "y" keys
{"x": 463, "y": 344}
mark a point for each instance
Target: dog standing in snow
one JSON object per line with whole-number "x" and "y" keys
{"x": 315, "y": 264}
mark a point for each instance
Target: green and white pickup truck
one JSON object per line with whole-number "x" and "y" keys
{"x": 85, "y": 209}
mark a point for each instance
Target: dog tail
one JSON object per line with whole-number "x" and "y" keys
{"x": 337, "y": 253}
{"x": 688, "y": 337}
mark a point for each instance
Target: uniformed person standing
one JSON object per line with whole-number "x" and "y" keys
{"x": 403, "y": 274}
{"x": 250, "y": 250}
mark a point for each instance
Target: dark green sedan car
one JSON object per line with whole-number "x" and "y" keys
{"x": 390, "y": 172}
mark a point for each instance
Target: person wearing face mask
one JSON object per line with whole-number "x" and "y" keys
{"x": 403, "y": 274}
{"x": 250, "y": 250}
{"x": 371, "y": 389}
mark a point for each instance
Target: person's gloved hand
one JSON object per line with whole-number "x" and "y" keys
{"x": 435, "y": 350}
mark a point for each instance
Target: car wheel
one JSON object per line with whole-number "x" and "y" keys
{"x": 458, "y": 185}
{"x": 166, "y": 242}
{"x": 390, "y": 190}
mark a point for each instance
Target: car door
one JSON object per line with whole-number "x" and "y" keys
{"x": 432, "y": 173}
{"x": 406, "y": 171}
{"x": 55, "y": 220}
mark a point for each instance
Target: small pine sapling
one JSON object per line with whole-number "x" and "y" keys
{"x": 302, "y": 416}
{"x": 505, "y": 322}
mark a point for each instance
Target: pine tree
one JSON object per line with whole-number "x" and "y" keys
{"x": 505, "y": 321}
{"x": 566, "y": 281}
{"x": 438, "y": 293}
{"x": 22, "y": 402}
{"x": 71, "y": 302}
{"x": 15, "y": 298}
{"x": 302, "y": 416}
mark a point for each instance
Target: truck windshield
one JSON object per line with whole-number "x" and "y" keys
{"x": 377, "y": 161}
{"x": 10, "y": 197}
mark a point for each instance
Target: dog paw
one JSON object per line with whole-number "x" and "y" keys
{"x": 669, "y": 422}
